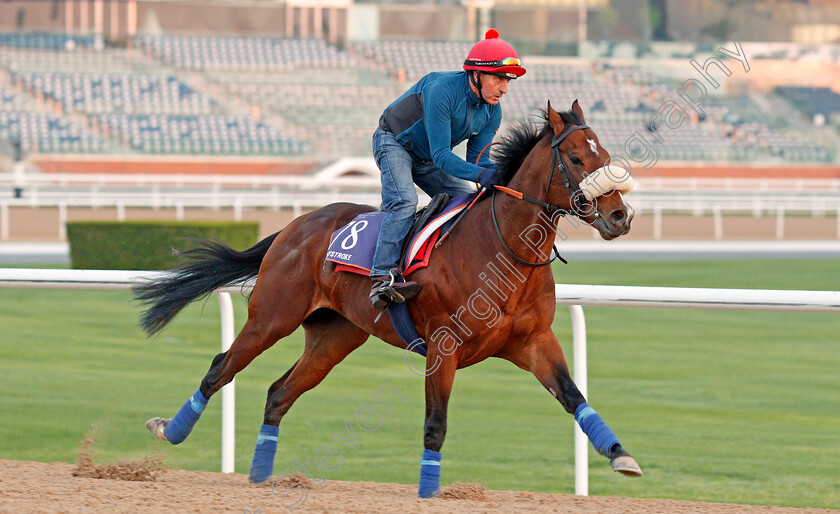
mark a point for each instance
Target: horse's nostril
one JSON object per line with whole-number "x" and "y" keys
{"x": 618, "y": 216}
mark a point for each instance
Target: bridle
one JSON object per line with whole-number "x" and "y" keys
{"x": 571, "y": 184}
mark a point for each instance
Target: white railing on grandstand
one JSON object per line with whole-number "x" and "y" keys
{"x": 743, "y": 184}
{"x": 361, "y": 172}
{"x": 357, "y": 180}
{"x": 349, "y": 172}
{"x": 654, "y": 204}
{"x": 38, "y": 181}
{"x": 815, "y": 203}
{"x": 572, "y": 295}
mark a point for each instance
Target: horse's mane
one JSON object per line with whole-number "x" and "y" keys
{"x": 521, "y": 139}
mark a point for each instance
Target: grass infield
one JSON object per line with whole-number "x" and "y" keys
{"x": 724, "y": 406}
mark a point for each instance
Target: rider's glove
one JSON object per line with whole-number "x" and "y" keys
{"x": 489, "y": 177}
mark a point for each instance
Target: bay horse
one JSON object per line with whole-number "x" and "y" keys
{"x": 463, "y": 313}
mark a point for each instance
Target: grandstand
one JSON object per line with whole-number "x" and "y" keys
{"x": 415, "y": 58}
{"x": 199, "y": 135}
{"x": 43, "y": 132}
{"x": 106, "y": 60}
{"x": 283, "y": 90}
{"x": 243, "y": 53}
{"x": 49, "y": 41}
{"x": 99, "y": 93}
{"x": 10, "y": 101}
{"x": 300, "y": 96}
{"x": 814, "y": 100}
{"x": 125, "y": 102}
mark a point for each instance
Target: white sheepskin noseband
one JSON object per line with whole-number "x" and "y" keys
{"x": 606, "y": 179}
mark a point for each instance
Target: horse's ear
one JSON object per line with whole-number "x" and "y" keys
{"x": 576, "y": 108}
{"x": 557, "y": 123}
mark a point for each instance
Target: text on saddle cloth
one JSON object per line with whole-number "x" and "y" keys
{"x": 353, "y": 245}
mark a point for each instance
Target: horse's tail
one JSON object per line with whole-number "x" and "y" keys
{"x": 209, "y": 266}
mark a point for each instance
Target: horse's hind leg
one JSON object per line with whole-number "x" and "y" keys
{"x": 544, "y": 358}
{"x": 269, "y": 320}
{"x": 176, "y": 429}
{"x": 329, "y": 339}
{"x": 250, "y": 342}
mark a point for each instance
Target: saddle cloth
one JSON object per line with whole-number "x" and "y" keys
{"x": 353, "y": 245}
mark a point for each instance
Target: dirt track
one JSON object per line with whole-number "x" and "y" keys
{"x": 39, "y": 487}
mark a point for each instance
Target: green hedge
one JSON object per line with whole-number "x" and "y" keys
{"x": 148, "y": 245}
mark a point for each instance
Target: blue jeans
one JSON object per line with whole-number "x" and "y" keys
{"x": 400, "y": 171}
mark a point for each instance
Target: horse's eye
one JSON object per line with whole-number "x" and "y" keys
{"x": 576, "y": 161}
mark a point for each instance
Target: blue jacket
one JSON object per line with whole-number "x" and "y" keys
{"x": 432, "y": 117}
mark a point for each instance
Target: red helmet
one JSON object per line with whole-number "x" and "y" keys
{"x": 494, "y": 55}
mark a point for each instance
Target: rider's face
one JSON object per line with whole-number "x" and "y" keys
{"x": 493, "y": 87}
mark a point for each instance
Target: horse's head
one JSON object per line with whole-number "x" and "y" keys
{"x": 584, "y": 180}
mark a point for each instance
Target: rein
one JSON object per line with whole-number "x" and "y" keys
{"x": 572, "y": 185}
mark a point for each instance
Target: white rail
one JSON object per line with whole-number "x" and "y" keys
{"x": 657, "y": 196}
{"x": 746, "y": 184}
{"x": 653, "y": 205}
{"x": 367, "y": 175}
{"x": 260, "y": 194}
{"x": 573, "y": 295}
{"x": 697, "y": 203}
{"x": 698, "y": 298}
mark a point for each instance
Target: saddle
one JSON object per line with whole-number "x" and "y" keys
{"x": 353, "y": 245}
{"x": 421, "y": 219}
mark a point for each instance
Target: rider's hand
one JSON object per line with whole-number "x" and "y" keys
{"x": 489, "y": 177}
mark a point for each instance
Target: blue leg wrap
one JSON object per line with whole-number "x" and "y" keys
{"x": 263, "y": 462}
{"x": 182, "y": 424}
{"x": 603, "y": 439}
{"x": 429, "y": 474}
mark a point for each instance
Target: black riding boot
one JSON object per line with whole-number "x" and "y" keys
{"x": 391, "y": 288}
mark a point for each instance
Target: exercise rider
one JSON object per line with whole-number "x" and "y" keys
{"x": 414, "y": 142}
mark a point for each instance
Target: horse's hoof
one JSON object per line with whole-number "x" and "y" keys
{"x": 156, "y": 426}
{"x": 429, "y": 494}
{"x": 256, "y": 477}
{"x": 626, "y": 465}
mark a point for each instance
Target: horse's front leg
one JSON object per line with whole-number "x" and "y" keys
{"x": 440, "y": 373}
{"x": 544, "y": 357}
